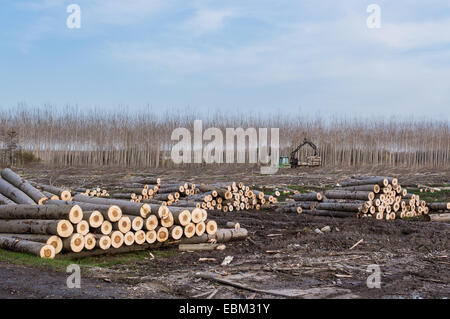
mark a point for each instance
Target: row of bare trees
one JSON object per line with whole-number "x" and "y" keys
{"x": 83, "y": 138}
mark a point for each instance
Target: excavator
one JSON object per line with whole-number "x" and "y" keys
{"x": 293, "y": 162}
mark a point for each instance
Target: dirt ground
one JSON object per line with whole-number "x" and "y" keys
{"x": 283, "y": 255}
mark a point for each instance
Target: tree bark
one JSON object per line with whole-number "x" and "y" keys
{"x": 5, "y": 200}
{"x": 110, "y": 212}
{"x": 127, "y": 207}
{"x": 348, "y": 207}
{"x": 62, "y": 228}
{"x": 438, "y": 206}
{"x": 53, "y": 240}
{"x": 329, "y": 213}
{"x": 25, "y": 246}
{"x": 349, "y": 195}
{"x": 23, "y": 185}
{"x": 308, "y": 197}
{"x": 73, "y": 213}
{"x": 382, "y": 181}
{"x": 14, "y": 194}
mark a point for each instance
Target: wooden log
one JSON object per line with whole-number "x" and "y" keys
{"x": 189, "y": 230}
{"x": 127, "y": 207}
{"x": 308, "y": 197}
{"x": 436, "y": 206}
{"x": 55, "y": 241}
{"x": 106, "y": 227}
{"x": 197, "y": 215}
{"x": 82, "y": 228}
{"x": 90, "y": 242}
{"x": 439, "y": 217}
{"x": 14, "y": 194}
{"x": 94, "y": 218}
{"x": 357, "y": 195}
{"x": 370, "y": 188}
{"x": 289, "y": 209}
{"x": 211, "y": 227}
{"x": 17, "y": 181}
{"x": 137, "y": 222}
{"x": 110, "y": 212}
{"x": 176, "y": 232}
{"x": 116, "y": 239}
{"x": 6, "y": 201}
{"x": 25, "y": 246}
{"x": 123, "y": 225}
{"x": 200, "y": 228}
{"x": 139, "y": 237}
{"x": 62, "y": 228}
{"x": 103, "y": 242}
{"x": 50, "y": 195}
{"x": 349, "y": 207}
{"x": 221, "y": 236}
{"x": 150, "y": 236}
{"x": 74, "y": 242}
{"x": 151, "y": 223}
{"x": 381, "y": 181}
{"x": 64, "y": 194}
{"x": 162, "y": 234}
{"x": 73, "y": 213}
{"x": 148, "y": 181}
{"x": 128, "y": 238}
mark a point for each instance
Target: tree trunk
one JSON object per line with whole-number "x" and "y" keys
{"x": 64, "y": 194}
{"x": 369, "y": 188}
{"x": 329, "y": 213}
{"x": 110, "y": 212}
{"x": 439, "y": 206}
{"x": 127, "y": 207}
{"x": 440, "y": 217}
{"x": 25, "y": 246}
{"x": 308, "y": 197}
{"x": 349, "y": 195}
{"x": 348, "y": 207}
{"x": 74, "y": 243}
{"x": 14, "y": 194}
{"x": 62, "y": 228}
{"x": 73, "y": 213}
{"x": 5, "y": 200}
{"x": 53, "y": 240}
{"x": 23, "y": 185}
{"x": 381, "y": 181}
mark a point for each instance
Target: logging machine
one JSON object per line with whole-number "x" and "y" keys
{"x": 293, "y": 161}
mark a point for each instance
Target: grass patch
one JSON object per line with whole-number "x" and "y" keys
{"x": 97, "y": 261}
{"x": 442, "y": 196}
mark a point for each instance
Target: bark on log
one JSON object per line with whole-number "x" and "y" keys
{"x": 440, "y": 217}
{"x": 370, "y": 188}
{"x": 64, "y": 194}
{"x": 438, "y": 206}
{"x": 73, "y": 213}
{"x": 110, "y": 212}
{"x": 308, "y": 197}
{"x": 349, "y": 195}
{"x": 23, "y": 185}
{"x": 127, "y": 207}
{"x": 14, "y": 194}
{"x": 25, "y": 246}
{"x": 53, "y": 240}
{"x": 74, "y": 243}
{"x": 5, "y": 200}
{"x": 348, "y": 207}
{"x": 62, "y": 228}
{"x": 382, "y": 181}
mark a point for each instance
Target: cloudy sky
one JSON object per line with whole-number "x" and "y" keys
{"x": 298, "y": 56}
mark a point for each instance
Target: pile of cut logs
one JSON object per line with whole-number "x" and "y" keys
{"x": 379, "y": 197}
{"x": 49, "y": 220}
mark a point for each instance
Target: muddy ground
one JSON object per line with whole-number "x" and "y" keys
{"x": 283, "y": 255}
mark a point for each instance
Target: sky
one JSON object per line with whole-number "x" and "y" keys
{"x": 315, "y": 57}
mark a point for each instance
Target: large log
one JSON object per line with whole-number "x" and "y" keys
{"x": 14, "y": 194}
{"x": 53, "y": 240}
{"x": 370, "y": 188}
{"x": 308, "y": 197}
{"x": 111, "y": 212}
{"x": 348, "y": 207}
{"x": 221, "y": 236}
{"x": 73, "y": 213}
{"x": 5, "y": 200}
{"x": 127, "y": 207}
{"x": 332, "y": 194}
{"x": 23, "y": 185}
{"x": 381, "y": 181}
{"x": 439, "y": 217}
{"x": 62, "y": 228}
{"x": 25, "y": 246}
{"x": 64, "y": 194}
{"x": 438, "y": 206}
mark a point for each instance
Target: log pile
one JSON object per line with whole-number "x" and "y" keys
{"x": 378, "y": 197}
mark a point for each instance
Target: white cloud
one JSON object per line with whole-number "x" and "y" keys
{"x": 207, "y": 20}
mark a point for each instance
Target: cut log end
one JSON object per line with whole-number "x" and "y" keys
{"x": 64, "y": 228}
{"x": 104, "y": 242}
{"x": 176, "y": 232}
{"x": 189, "y": 230}
{"x": 200, "y": 228}
{"x": 139, "y": 237}
{"x": 96, "y": 219}
{"x": 116, "y": 239}
{"x": 162, "y": 234}
{"x": 211, "y": 227}
{"x": 151, "y": 222}
{"x": 150, "y": 236}
{"x": 114, "y": 213}
{"x": 197, "y": 215}
{"x": 106, "y": 227}
{"x": 145, "y": 210}
{"x": 47, "y": 251}
{"x": 66, "y": 195}
{"x": 128, "y": 238}
{"x": 75, "y": 214}
{"x": 89, "y": 241}
{"x": 56, "y": 242}
{"x": 83, "y": 228}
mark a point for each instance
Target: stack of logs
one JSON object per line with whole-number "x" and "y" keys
{"x": 379, "y": 197}
{"x": 41, "y": 224}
